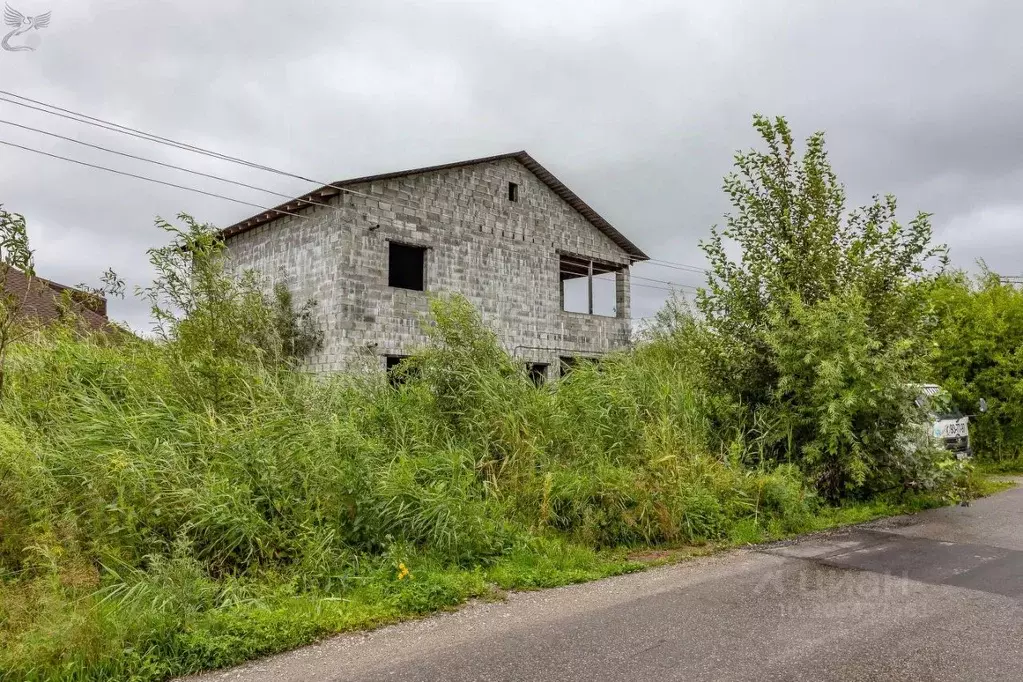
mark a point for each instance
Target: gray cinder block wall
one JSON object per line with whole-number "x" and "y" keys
{"x": 502, "y": 255}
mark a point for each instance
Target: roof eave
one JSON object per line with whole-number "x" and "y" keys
{"x": 531, "y": 164}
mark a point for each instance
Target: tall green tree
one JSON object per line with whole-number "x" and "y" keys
{"x": 808, "y": 268}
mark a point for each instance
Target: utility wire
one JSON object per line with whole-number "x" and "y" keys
{"x": 675, "y": 266}
{"x": 148, "y": 179}
{"x": 232, "y": 199}
{"x": 248, "y": 203}
{"x": 651, "y": 286}
{"x": 631, "y": 277}
{"x": 114, "y": 127}
{"x": 155, "y": 162}
{"x": 645, "y": 286}
{"x": 151, "y": 137}
{"x": 240, "y": 184}
{"x": 665, "y": 281}
{"x": 126, "y": 130}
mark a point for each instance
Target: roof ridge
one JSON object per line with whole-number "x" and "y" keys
{"x": 522, "y": 156}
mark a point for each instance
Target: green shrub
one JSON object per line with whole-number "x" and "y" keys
{"x": 136, "y": 514}
{"x": 977, "y": 352}
{"x": 815, "y": 329}
{"x": 193, "y": 500}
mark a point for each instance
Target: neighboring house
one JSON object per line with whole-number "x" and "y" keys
{"x": 501, "y": 231}
{"x": 41, "y": 301}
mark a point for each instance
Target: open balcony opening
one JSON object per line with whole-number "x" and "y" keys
{"x": 588, "y": 286}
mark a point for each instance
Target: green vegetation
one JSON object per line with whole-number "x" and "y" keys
{"x": 819, "y": 326}
{"x": 1001, "y": 466}
{"x": 978, "y": 353}
{"x": 194, "y": 500}
{"x": 14, "y": 255}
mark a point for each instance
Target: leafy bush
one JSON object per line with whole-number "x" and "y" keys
{"x": 817, "y": 327}
{"x": 193, "y": 500}
{"x": 146, "y": 533}
{"x": 977, "y": 352}
{"x": 841, "y": 398}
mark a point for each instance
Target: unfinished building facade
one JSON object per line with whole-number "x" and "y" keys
{"x": 547, "y": 273}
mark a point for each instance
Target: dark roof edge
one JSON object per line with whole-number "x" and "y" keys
{"x": 59, "y": 288}
{"x": 558, "y": 187}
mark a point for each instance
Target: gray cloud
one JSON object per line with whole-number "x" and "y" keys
{"x": 636, "y": 106}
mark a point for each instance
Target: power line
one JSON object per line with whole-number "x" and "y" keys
{"x": 646, "y": 286}
{"x": 651, "y": 286}
{"x": 161, "y": 163}
{"x": 664, "y": 281}
{"x": 676, "y": 266}
{"x": 635, "y": 284}
{"x": 232, "y": 199}
{"x": 118, "y": 128}
{"x": 140, "y": 158}
{"x": 678, "y": 285}
{"x": 247, "y": 203}
{"x": 148, "y": 179}
{"x": 151, "y": 137}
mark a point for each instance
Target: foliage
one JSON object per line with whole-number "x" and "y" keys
{"x": 977, "y": 352}
{"x": 193, "y": 500}
{"x": 817, "y": 325}
{"x": 297, "y": 328}
{"x": 15, "y": 255}
{"x": 148, "y": 534}
{"x": 841, "y": 402}
{"x": 218, "y": 322}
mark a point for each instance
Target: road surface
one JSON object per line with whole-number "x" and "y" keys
{"x": 936, "y": 596}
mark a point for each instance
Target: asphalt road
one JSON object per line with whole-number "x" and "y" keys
{"x": 936, "y": 596}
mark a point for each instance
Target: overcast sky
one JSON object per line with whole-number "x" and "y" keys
{"x": 636, "y": 105}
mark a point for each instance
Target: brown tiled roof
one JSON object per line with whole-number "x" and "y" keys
{"x": 41, "y": 298}
{"x": 570, "y": 197}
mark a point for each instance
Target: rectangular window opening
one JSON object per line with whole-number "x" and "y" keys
{"x": 537, "y": 372}
{"x": 396, "y": 374}
{"x": 406, "y": 266}
{"x": 513, "y": 191}
{"x": 588, "y": 286}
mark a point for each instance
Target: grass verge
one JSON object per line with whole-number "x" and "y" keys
{"x": 229, "y": 622}
{"x": 1005, "y": 467}
{"x": 270, "y": 616}
{"x": 167, "y": 509}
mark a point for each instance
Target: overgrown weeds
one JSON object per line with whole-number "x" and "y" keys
{"x": 150, "y": 534}
{"x": 195, "y": 500}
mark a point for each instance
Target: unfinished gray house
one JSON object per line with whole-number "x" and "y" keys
{"x": 548, "y": 274}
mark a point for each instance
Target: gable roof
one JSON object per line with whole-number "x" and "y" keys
{"x": 41, "y": 301}
{"x": 544, "y": 175}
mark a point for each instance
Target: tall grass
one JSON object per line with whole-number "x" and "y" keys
{"x": 145, "y": 532}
